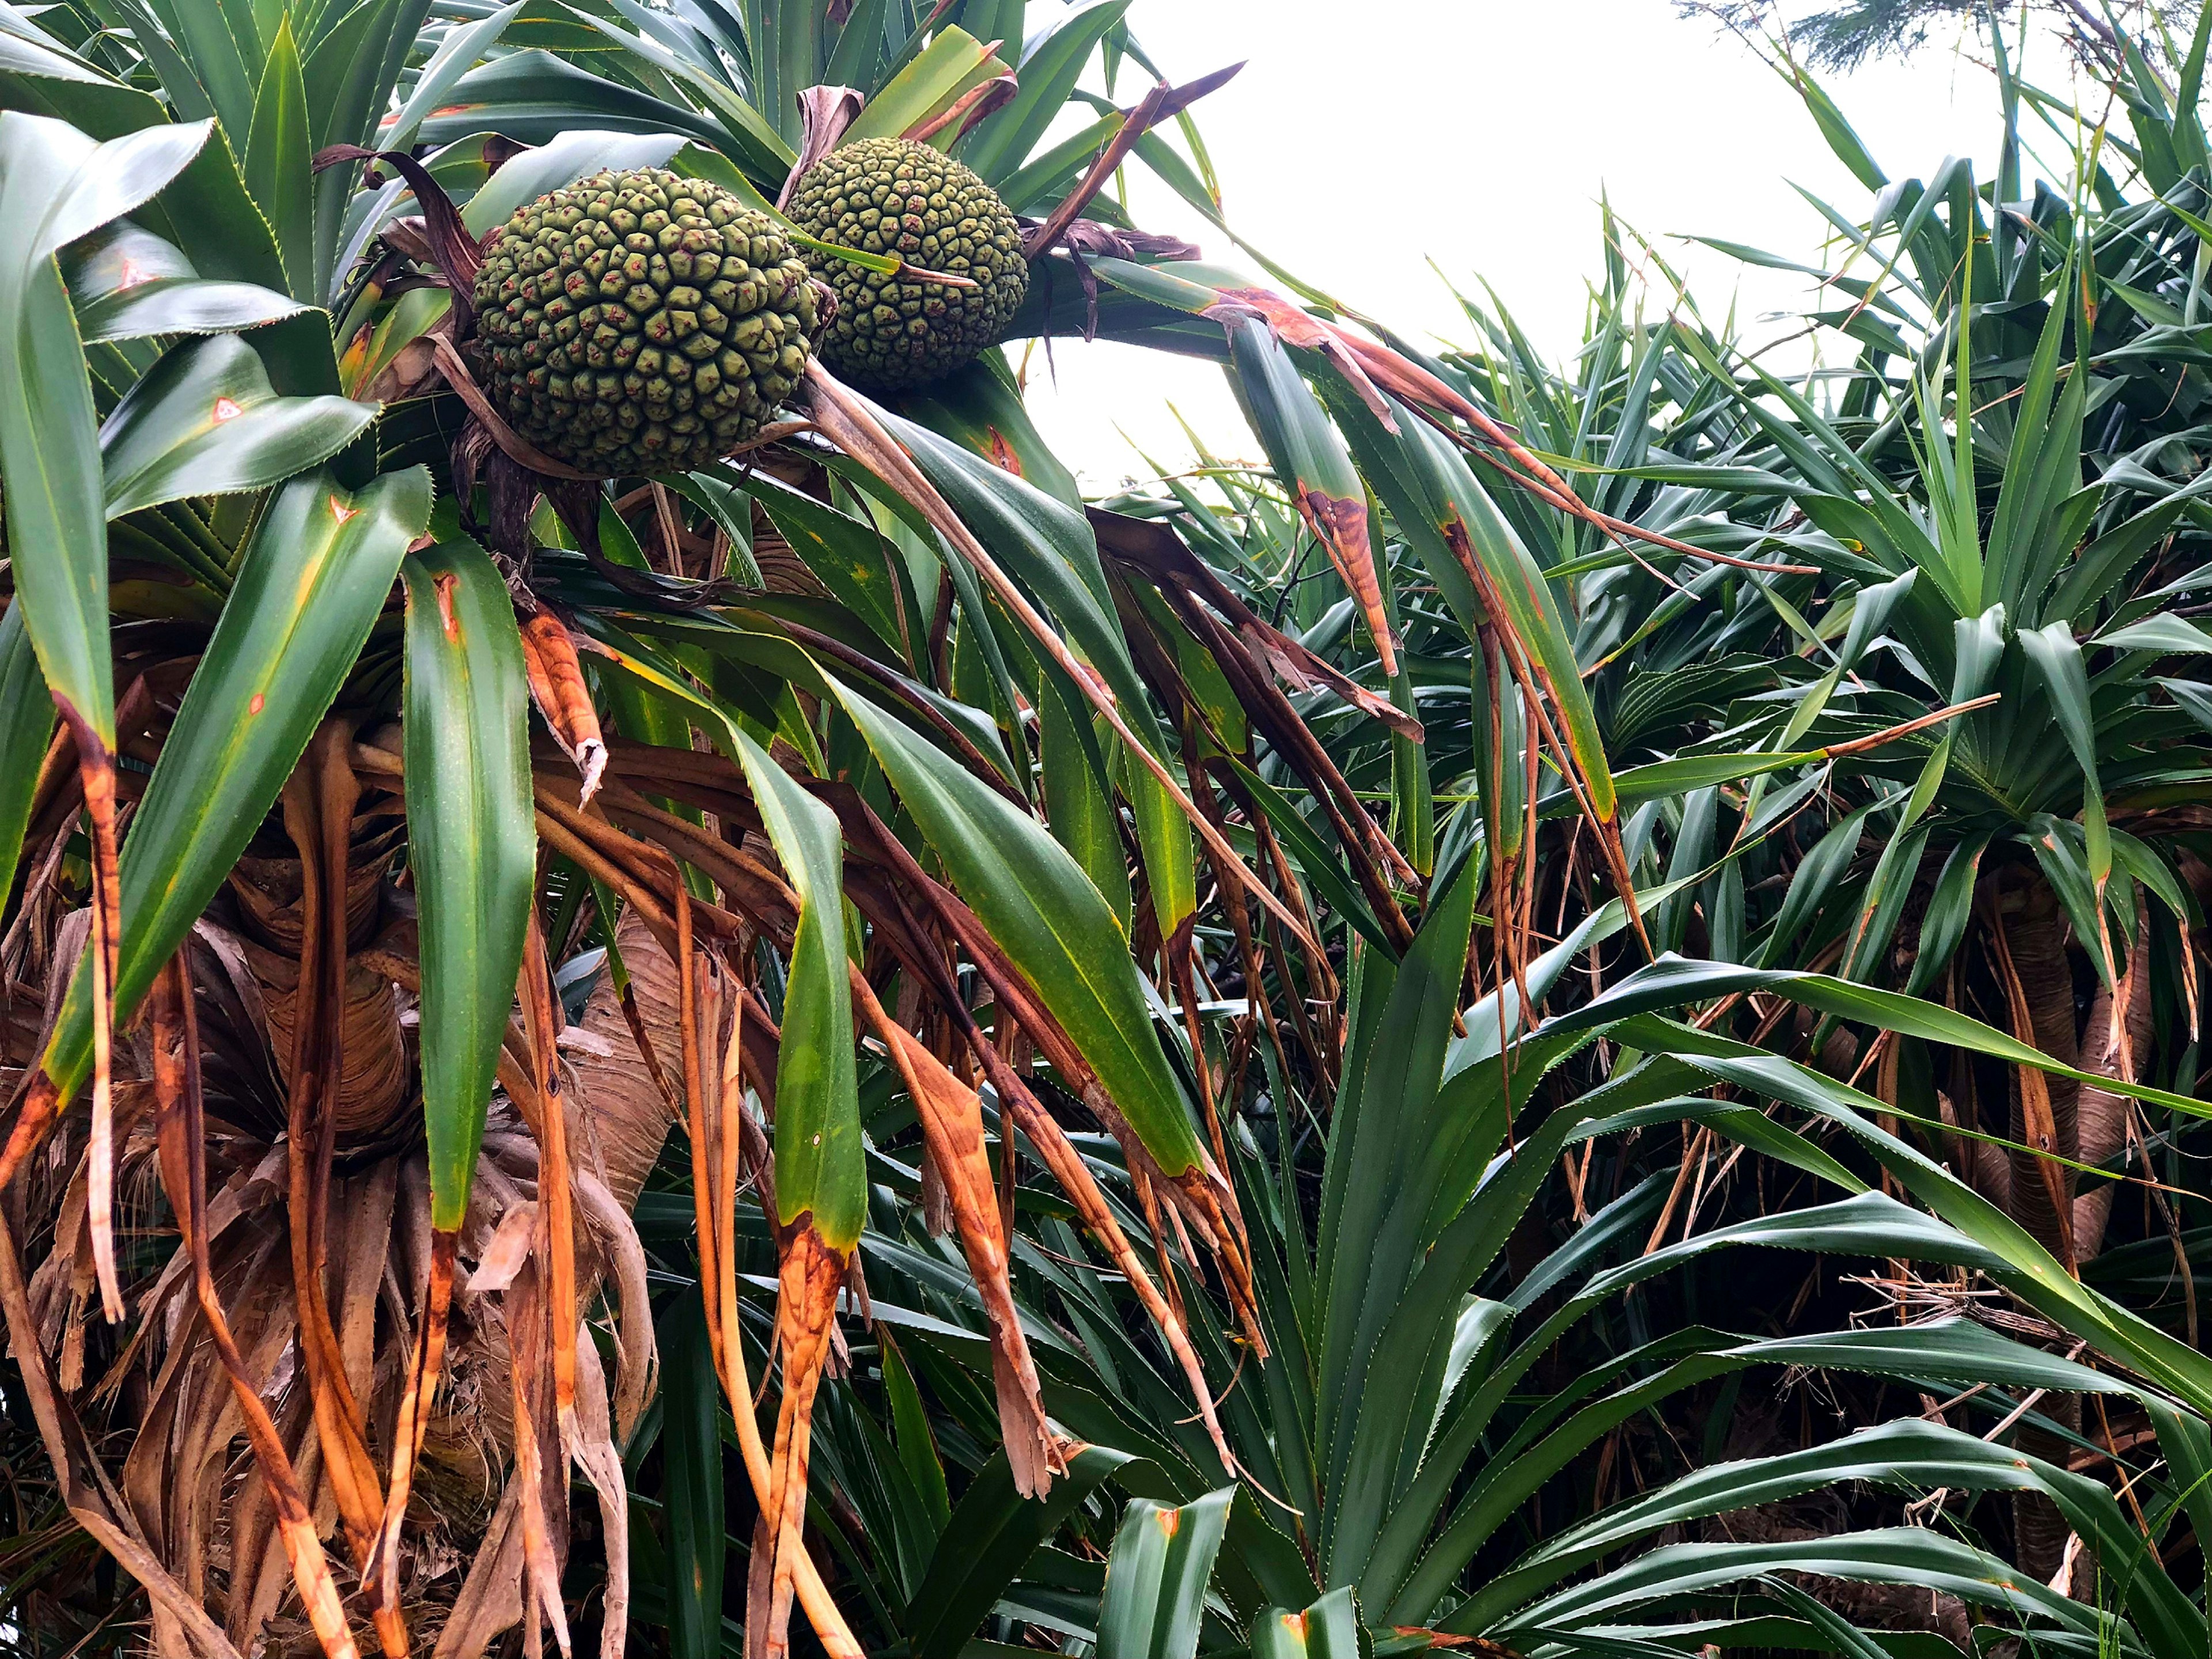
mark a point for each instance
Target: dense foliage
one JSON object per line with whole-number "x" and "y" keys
{"x": 1560, "y": 1014}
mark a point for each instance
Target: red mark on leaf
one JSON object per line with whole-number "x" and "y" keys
{"x": 254, "y": 707}
{"x": 130, "y": 276}
{"x": 340, "y": 511}
{"x": 1169, "y": 1520}
{"x": 225, "y": 410}
{"x": 445, "y": 585}
{"x": 1002, "y": 454}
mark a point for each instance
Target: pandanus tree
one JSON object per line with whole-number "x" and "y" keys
{"x": 1994, "y": 504}
{"x": 286, "y": 563}
{"x": 482, "y": 745}
{"x": 1945, "y": 698}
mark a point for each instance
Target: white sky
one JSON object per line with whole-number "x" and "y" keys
{"x": 1362, "y": 142}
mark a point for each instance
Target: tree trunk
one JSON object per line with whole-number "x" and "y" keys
{"x": 203, "y": 1508}
{"x": 2035, "y": 937}
{"x": 2104, "y": 1113}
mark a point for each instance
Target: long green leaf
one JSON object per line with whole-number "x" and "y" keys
{"x": 1078, "y": 807}
{"x": 993, "y": 1533}
{"x": 310, "y": 583}
{"x": 691, "y": 1486}
{"x": 472, "y": 840}
{"x": 1157, "y": 1574}
{"x": 279, "y": 169}
{"x": 953, "y": 61}
{"x": 126, "y": 283}
{"x": 818, "y": 1151}
{"x": 27, "y": 721}
{"x": 56, "y": 185}
{"x": 1045, "y": 545}
{"x": 820, "y": 1157}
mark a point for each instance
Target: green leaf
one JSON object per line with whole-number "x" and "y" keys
{"x": 125, "y": 283}
{"x": 2054, "y": 652}
{"x": 2166, "y": 635}
{"x": 1164, "y": 839}
{"x": 860, "y": 46}
{"x": 1043, "y": 912}
{"x": 456, "y": 54}
{"x": 2033, "y": 530}
{"x": 351, "y": 64}
{"x": 1388, "y": 1151}
{"x": 534, "y": 97}
{"x": 1692, "y": 772}
{"x": 415, "y": 314}
{"x": 952, "y": 62}
{"x": 568, "y": 157}
{"x": 204, "y": 421}
{"x": 1078, "y": 809}
{"x": 993, "y": 1534}
{"x": 744, "y": 134}
{"x": 27, "y": 721}
{"x": 1308, "y": 458}
{"x": 978, "y": 406}
{"x": 279, "y": 169}
{"x": 784, "y": 46}
{"x": 2062, "y": 853}
{"x": 1673, "y": 981}
{"x": 1910, "y": 1453}
{"x": 1313, "y": 860}
{"x": 851, "y": 558}
{"x": 1329, "y": 1629}
{"x": 1950, "y": 907}
{"x": 820, "y": 1156}
{"x": 1437, "y": 503}
{"x": 1849, "y": 148}
{"x": 691, "y": 1480}
{"x": 1156, "y": 1575}
{"x": 1883, "y": 902}
{"x": 224, "y": 64}
{"x": 471, "y": 839}
{"x": 56, "y": 185}
{"x": 1812, "y": 880}
{"x": 2012, "y": 1254}
{"x": 1045, "y": 545}
{"x": 205, "y": 210}
{"x": 310, "y": 583}
{"x": 917, "y": 1447}
{"x": 1921, "y": 1558}
{"x": 1048, "y": 71}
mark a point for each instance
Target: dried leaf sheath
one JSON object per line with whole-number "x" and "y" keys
{"x": 423, "y": 1370}
{"x": 96, "y": 769}
{"x": 555, "y": 1202}
{"x": 809, "y": 1281}
{"x": 319, "y": 803}
{"x": 180, "y": 1129}
{"x": 557, "y": 686}
{"x": 715, "y": 1209}
{"x": 952, "y": 1125}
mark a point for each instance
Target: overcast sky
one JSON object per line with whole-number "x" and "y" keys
{"x": 1363, "y": 142}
